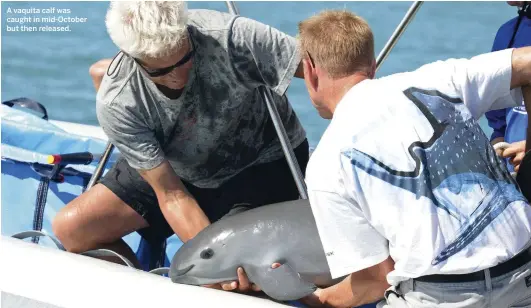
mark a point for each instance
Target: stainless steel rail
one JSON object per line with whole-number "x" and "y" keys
{"x": 410, "y": 14}
{"x": 280, "y": 129}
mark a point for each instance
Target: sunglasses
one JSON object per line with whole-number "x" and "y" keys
{"x": 157, "y": 72}
{"x": 311, "y": 59}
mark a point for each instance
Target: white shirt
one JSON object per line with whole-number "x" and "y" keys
{"x": 404, "y": 170}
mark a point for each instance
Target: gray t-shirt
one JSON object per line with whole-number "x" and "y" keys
{"x": 219, "y": 125}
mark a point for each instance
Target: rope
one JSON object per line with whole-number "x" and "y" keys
{"x": 40, "y": 204}
{"x": 37, "y": 234}
{"x": 90, "y": 253}
{"x": 160, "y": 271}
{"x": 501, "y": 146}
{"x": 107, "y": 253}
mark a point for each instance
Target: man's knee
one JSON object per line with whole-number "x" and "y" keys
{"x": 95, "y": 218}
{"x": 64, "y": 228}
{"x": 73, "y": 223}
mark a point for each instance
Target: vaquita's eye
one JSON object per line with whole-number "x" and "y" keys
{"x": 207, "y": 253}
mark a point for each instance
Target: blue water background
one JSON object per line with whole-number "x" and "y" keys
{"x": 52, "y": 67}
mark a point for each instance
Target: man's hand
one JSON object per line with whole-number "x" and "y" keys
{"x": 359, "y": 288}
{"x": 515, "y": 152}
{"x": 243, "y": 285}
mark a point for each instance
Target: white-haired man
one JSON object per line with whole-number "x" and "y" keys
{"x": 181, "y": 102}
{"x": 407, "y": 192}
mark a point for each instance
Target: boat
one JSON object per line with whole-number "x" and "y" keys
{"x": 29, "y": 203}
{"x": 35, "y": 269}
{"x": 38, "y": 276}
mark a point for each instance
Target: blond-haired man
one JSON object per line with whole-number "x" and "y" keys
{"x": 407, "y": 192}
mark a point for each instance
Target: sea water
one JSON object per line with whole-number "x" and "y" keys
{"x": 52, "y": 66}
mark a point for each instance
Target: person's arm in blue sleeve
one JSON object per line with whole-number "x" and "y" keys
{"x": 497, "y": 118}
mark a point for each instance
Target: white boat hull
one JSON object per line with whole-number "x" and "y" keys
{"x": 37, "y": 276}
{"x": 40, "y": 275}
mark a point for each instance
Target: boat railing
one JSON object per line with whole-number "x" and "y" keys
{"x": 287, "y": 148}
{"x": 273, "y": 112}
{"x": 410, "y": 14}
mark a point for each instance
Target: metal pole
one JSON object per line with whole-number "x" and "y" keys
{"x": 232, "y": 8}
{"x": 101, "y": 165}
{"x": 279, "y": 127}
{"x": 286, "y": 145}
{"x": 398, "y": 32}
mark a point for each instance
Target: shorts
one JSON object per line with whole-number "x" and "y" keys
{"x": 255, "y": 186}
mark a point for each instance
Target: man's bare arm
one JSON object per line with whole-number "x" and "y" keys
{"x": 521, "y": 77}
{"x": 180, "y": 209}
{"x": 359, "y": 288}
{"x": 526, "y": 91}
{"x": 521, "y": 67}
